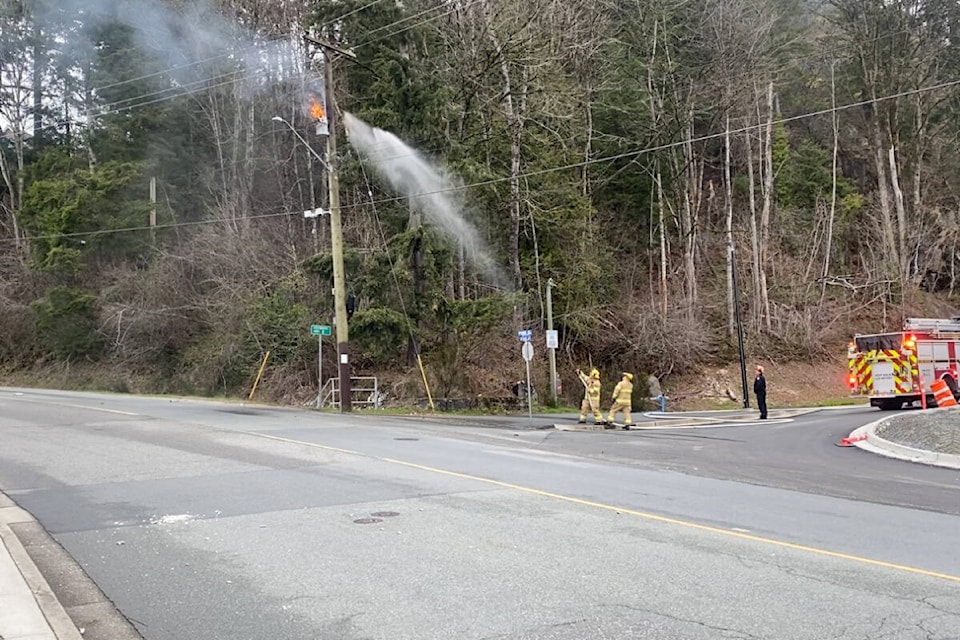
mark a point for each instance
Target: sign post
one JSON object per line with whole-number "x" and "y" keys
{"x": 319, "y": 330}
{"x": 527, "y": 352}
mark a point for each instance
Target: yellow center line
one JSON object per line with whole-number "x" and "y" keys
{"x": 640, "y": 514}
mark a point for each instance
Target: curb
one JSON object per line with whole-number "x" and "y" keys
{"x": 61, "y": 626}
{"x": 866, "y": 438}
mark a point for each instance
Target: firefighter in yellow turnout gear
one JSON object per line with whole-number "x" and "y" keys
{"x": 591, "y": 396}
{"x": 622, "y": 399}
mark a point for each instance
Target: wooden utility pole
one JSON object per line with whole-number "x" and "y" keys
{"x": 336, "y": 228}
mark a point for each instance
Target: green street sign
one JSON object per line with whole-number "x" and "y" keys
{"x": 320, "y": 330}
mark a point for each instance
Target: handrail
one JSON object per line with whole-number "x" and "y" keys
{"x": 360, "y": 394}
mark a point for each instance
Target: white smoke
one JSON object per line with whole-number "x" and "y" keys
{"x": 192, "y": 42}
{"x": 432, "y": 191}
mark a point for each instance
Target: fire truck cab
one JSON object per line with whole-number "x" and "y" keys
{"x": 893, "y": 369}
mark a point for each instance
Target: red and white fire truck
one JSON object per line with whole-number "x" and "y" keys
{"x": 893, "y": 369}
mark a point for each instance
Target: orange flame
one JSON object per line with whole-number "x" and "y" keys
{"x": 316, "y": 109}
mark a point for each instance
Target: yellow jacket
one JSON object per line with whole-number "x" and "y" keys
{"x": 623, "y": 392}
{"x": 592, "y": 387}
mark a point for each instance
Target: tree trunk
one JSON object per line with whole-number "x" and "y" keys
{"x": 662, "y": 222}
{"x": 689, "y": 222}
{"x": 903, "y": 263}
{"x": 828, "y": 249}
{"x": 39, "y": 61}
{"x": 731, "y": 309}
{"x": 883, "y": 192}
{"x": 767, "y": 210}
{"x": 757, "y": 304}
{"x": 514, "y": 114}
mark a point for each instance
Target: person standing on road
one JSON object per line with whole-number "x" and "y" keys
{"x": 760, "y": 390}
{"x": 622, "y": 399}
{"x": 591, "y": 396}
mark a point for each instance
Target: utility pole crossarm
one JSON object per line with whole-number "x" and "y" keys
{"x": 325, "y": 44}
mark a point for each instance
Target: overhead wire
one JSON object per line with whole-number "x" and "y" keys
{"x": 112, "y": 108}
{"x": 350, "y": 13}
{"x": 415, "y": 25}
{"x": 528, "y": 174}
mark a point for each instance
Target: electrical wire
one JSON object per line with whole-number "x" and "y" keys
{"x": 693, "y": 140}
{"x": 415, "y": 25}
{"x": 333, "y": 21}
{"x": 405, "y": 19}
{"x": 180, "y": 94}
{"x": 112, "y": 108}
{"x": 628, "y": 154}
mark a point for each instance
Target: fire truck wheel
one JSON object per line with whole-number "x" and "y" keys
{"x": 890, "y": 405}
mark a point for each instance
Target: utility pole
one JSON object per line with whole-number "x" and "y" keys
{"x": 336, "y": 228}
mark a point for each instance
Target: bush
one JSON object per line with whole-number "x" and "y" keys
{"x": 65, "y": 323}
{"x": 380, "y": 333}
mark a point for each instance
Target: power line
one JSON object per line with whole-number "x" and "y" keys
{"x": 414, "y": 25}
{"x": 671, "y": 145}
{"x": 406, "y": 19}
{"x": 628, "y": 154}
{"x": 179, "y": 94}
{"x": 350, "y": 13}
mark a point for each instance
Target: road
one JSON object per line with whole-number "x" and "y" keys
{"x": 211, "y": 520}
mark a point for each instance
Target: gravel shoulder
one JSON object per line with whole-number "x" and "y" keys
{"x": 937, "y": 430}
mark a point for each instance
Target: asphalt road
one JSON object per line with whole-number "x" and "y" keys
{"x": 209, "y": 520}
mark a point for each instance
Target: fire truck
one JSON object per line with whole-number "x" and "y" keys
{"x": 893, "y": 369}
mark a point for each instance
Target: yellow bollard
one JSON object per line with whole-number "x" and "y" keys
{"x": 425, "y": 384}
{"x": 263, "y": 366}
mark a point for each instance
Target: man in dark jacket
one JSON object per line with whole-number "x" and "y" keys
{"x": 760, "y": 390}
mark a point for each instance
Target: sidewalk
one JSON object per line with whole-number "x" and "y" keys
{"x": 28, "y": 608}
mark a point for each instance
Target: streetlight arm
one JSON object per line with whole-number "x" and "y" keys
{"x": 323, "y": 161}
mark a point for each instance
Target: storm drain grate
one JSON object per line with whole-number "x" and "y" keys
{"x": 367, "y": 520}
{"x": 385, "y": 514}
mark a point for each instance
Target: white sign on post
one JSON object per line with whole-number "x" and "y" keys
{"x": 553, "y": 339}
{"x": 527, "y": 352}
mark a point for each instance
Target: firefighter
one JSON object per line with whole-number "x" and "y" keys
{"x": 622, "y": 399}
{"x": 591, "y": 396}
{"x": 760, "y": 390}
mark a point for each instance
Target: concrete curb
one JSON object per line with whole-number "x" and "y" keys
{"x": 58, "y": 625}
{"x": 866, "y": 438}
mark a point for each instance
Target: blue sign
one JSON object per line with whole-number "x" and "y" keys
{"x": 525, "y": 335}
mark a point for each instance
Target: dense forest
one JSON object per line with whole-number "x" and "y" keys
{"x": 670, "y": 169}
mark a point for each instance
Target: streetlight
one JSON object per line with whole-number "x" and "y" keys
{"x": 336, "y": 247}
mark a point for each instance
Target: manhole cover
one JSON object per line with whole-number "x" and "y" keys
{"x": 367, "y": 521}
{"x": 408, "y": 439}
{"x": 385, "y": 514}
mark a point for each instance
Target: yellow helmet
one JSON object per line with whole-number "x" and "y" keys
{"x": 628, "y": 376}
{"x": 594, "y": 373}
